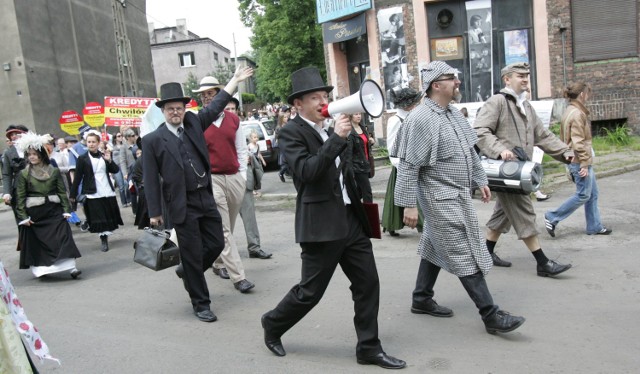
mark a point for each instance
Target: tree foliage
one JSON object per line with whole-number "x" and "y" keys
{"x": 285, "y": 38}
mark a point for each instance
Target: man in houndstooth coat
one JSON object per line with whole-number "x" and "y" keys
{"x": 437, "y": 168}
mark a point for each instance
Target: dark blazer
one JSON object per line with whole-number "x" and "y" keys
{"x": 359, "y": 161}
{"x": 321, "y": 215}
{"x": 11, "y": 165}
{"x": 161, "y": 159}
{"x": 84, "y": 174}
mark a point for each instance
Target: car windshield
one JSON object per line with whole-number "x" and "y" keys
{"x": 270, "y": 126}
{"x": 249, "y": 127}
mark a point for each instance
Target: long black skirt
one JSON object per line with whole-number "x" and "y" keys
{"x": 103, "y": 214}
{"x": 48, "y": 239}
{"x": 142, "y": 213}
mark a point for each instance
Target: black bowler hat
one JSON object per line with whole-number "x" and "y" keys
{"x": 170, "y": 92}
{"x": 306, "y": 80}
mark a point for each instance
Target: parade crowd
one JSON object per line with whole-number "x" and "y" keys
{"x": 197, "y": 172}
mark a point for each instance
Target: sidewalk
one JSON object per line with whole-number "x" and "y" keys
{"x": 608, "y": 165}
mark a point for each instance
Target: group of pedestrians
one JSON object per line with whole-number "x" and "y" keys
{"x": 195, "y": 171}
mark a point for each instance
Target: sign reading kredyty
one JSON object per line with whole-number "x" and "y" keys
{"x": 334, "y": 32}
{"x": 328, "y": 10}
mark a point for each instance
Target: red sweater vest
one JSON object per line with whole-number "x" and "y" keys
{"x": 221, "y": 143}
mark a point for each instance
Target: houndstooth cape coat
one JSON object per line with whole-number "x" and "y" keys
{"x": 437, "y": 168}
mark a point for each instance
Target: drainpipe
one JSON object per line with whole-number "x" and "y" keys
{"x": 564, "y": 56}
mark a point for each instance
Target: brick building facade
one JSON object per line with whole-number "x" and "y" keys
{"x": 543, "y": 23}
{"x": 615, "y": 81}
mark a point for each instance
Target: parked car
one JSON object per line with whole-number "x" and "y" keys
{"x": 266, "y": 140}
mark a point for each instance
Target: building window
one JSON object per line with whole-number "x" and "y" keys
{"x": 226, "y": 60}
{"x": 602, "y": 31}
{"x": 187, "y": 59}
{"x": 215, "y": 57}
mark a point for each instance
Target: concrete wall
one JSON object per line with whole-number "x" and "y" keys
{"x": 62, "y": 72}
{"x": 15, "y": 105}
{"x": 166, "y": 61}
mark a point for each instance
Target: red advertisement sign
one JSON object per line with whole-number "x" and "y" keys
{"x": 70, "y": 121}
{"x": 93, "y": 114}
{"x": 125, "y": 111}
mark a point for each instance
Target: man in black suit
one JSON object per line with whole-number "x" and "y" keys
{"x": 13, "y": 161}
{"x": 330, "y": 225}
{"x": 177, "y": 153}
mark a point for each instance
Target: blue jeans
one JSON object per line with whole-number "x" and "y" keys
{"x": 122, "y": 188}
{"x": 587, "y": 195}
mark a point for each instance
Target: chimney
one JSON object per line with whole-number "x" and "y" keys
{"x": 181, "y": 27}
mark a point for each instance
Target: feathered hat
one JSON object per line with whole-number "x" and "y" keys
{"x": 33, "y": 141}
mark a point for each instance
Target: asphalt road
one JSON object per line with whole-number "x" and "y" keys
{"x": 123, "y": 318}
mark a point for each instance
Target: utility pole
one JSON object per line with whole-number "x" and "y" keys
{"x": 235, "y": 52}
{"x": 126, "y": 68}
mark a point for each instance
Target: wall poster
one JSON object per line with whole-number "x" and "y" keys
{"x": 516, "y": 46}
{"x": 447, "y": 49}
{"x": 393, "y": 50}
{"x": 480, "y": 49}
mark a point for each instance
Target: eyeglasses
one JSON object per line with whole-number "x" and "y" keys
{"x": 445, "y": 79}
{"x": 176, "y": 110}
{"x": 208, "y": 94}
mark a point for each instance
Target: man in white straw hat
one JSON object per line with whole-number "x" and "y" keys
{"x": 228, "y": 154}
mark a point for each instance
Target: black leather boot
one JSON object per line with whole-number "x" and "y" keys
{"x": 422, "y": 301}
{"x": 495, "y": 320}
{"x": 105, "y": 243}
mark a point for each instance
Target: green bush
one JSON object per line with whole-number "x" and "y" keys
{"x": 555, "y": 128}
{"x": 618, "y": 137}
{"x": 248, "y": 98}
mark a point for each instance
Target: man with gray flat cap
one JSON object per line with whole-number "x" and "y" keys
{"x": 437, "y": 169}
{"x": 330, "y": 224}
{"x": 506, "y": 122}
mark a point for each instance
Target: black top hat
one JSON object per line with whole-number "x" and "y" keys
{"x": 171, "y": 91}
{"x": 306, "y": 80}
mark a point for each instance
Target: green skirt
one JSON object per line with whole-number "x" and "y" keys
{"x": 392, "y": 214}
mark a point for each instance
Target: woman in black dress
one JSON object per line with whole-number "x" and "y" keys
{"x": 100, "y": 204}
{"x": 45, "y": 240}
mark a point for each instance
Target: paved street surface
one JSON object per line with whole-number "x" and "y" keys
{"x": 123, "y": 318}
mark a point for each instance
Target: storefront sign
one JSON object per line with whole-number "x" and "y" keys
{"x": 334, "y": 32}
{"x": 329, "y": 10}
{"x": 125, "y": 111}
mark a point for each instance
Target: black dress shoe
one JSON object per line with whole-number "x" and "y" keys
{"x": 383, "y": 360}
{"x": 393, "y": 233}
{"x": 206, "y": 316}
{"x": 259, "y": 254}
{"x": 502, "y": 321}
{"x": 431, "y": 308}
{"x": 497, "y": 261}
{"x": 281, "y": 178}
{"x": 75, "y": 273}
{"x": 222, "y": 273}
{"x": 274, "y": 344}
{"x": 551, "y": 269}
{"x": 243, "y": 286}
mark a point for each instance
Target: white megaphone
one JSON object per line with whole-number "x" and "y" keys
{"x": 369, "y": 99}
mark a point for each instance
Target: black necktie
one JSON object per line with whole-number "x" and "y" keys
{"x": 180, "y": 131}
